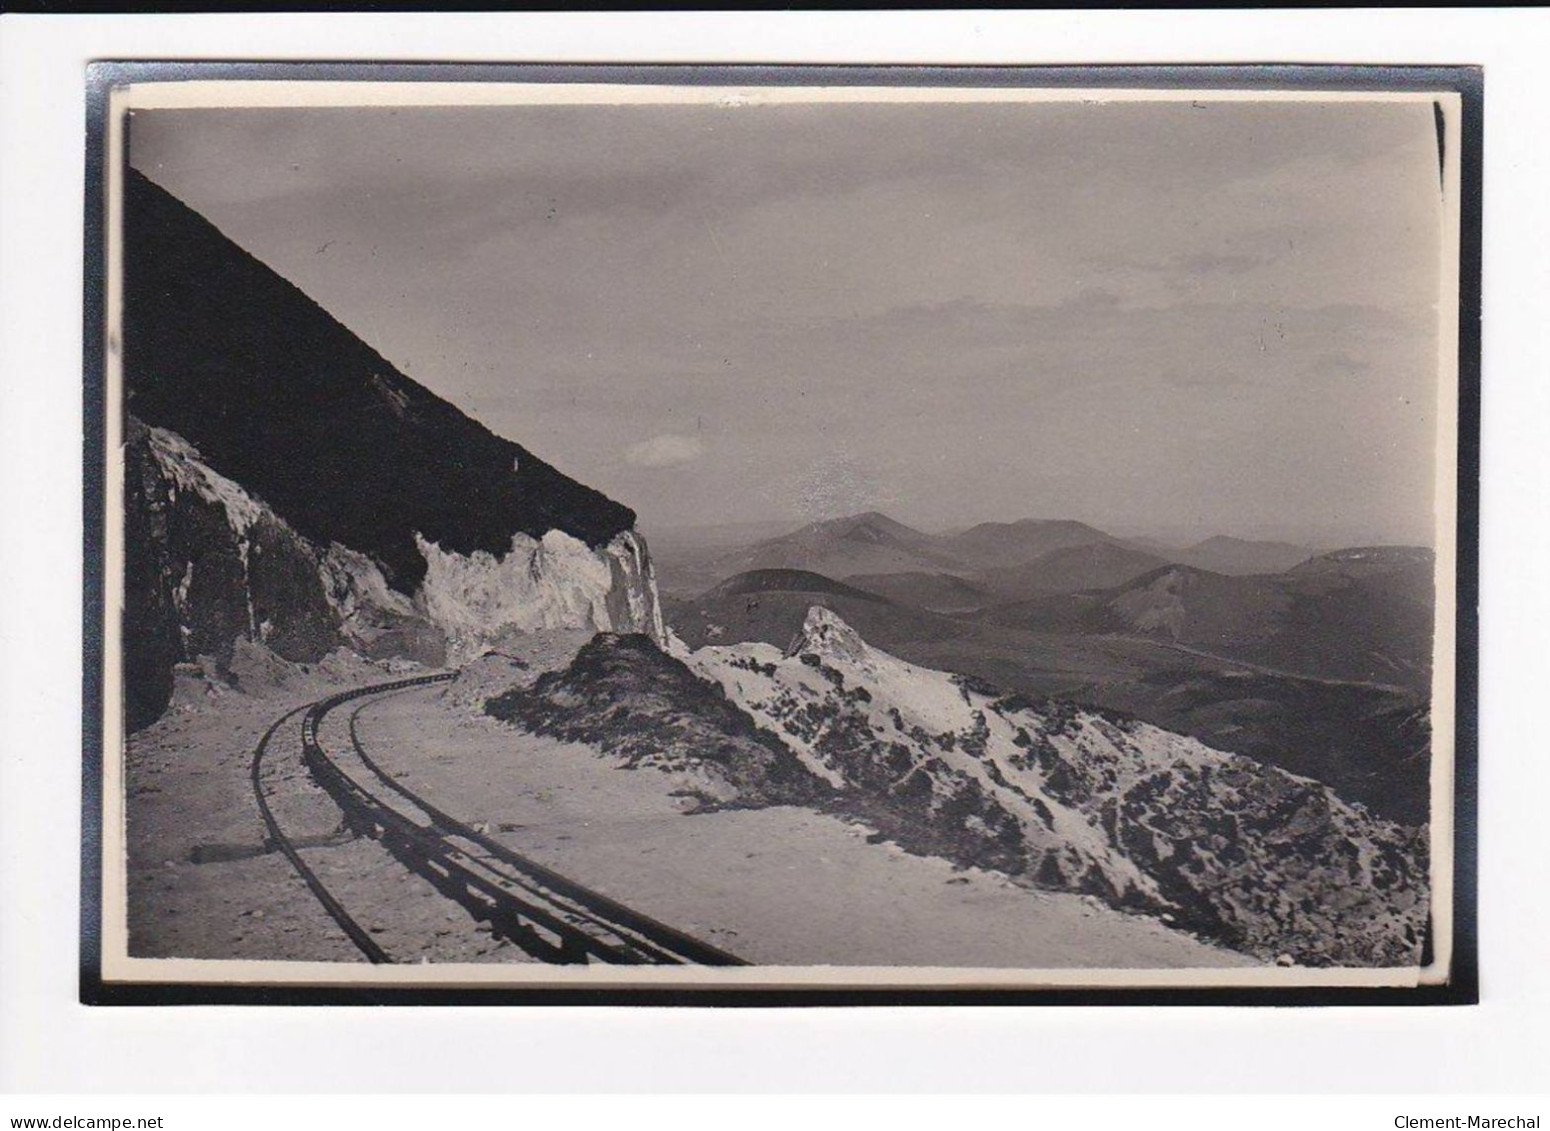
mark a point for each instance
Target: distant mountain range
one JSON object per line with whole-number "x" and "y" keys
{"x": 1356, "y": 615}
{"x": 838, "y": 548}
{"x": 998, "y": 561}
{"x": 1091, "y": 565}
{"x": 997, "y": 545}
{"x": 1323, "y": 669}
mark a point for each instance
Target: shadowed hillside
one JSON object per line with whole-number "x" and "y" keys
{"x": 1238, "y": 556}
{"x": 1364, "y": 618}
{"x": 287, "y": 486}
{"x": 936, "y": 592}
{"x": 280, "y": 397}
{"x": 785, "y": 580}
{"x": 1093, "y": 565}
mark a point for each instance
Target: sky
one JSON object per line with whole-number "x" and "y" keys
{"x": 1173, "y": 318}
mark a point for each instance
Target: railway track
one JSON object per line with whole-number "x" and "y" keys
{"x": 538, "y": 910}
{"x": 357, "y": 934}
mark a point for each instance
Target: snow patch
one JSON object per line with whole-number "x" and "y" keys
{"x": 182, "y": 464}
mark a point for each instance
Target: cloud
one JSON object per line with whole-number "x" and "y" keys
{"x": 666, "y": 450}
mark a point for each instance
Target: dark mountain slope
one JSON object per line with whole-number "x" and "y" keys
{"x": 279, "y": 396}
{"x": 1238, "y": 556}
{"x": 1196, "y": 606}
{"x": 839, "y": 547}
{"x": 1095, "y": 565}
{"x": 937, "y": 592}
{"x": 1172, "y": 602}
{"x": 994, "y": 544}
{"x": 1405, "y": 567}
{"x": 1336, "y": 617}
{"x": 785, "y": 580}
{"x": 1361, "y": 614}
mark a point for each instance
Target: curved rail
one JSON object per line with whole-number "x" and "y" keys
{"x": 657, "y": 941}
{"x": 541, "y": 911}
{"x": 367, "y": 945}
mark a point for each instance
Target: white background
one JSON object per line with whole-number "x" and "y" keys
{"x": 50, "y": 1044}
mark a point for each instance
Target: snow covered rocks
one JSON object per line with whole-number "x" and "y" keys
{"x": 546, "y": 583}
{"x": 210, "y": 564}
{"x": 1247, "y": 854}
{"x": 631, "y": 700}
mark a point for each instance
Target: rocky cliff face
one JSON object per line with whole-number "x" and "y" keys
{"x": 285, "y": 484}
{"x": 209, "y": 564}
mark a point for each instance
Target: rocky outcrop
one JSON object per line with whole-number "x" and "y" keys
{"x": 633, "y": 701}
{"x": 208, "y": 564}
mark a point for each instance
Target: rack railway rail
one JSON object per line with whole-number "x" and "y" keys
{"x": 538, "y": 910}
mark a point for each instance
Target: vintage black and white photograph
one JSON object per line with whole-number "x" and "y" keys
{"x": 640, "y": 535}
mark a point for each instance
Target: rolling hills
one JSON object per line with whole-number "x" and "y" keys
{"x": 1070, "y": 569}
{"x": 934, "y": 592}
{"x": 1239, "y": 556}
{"x": 992, "y": 545}
{"x": 1297, "y": 670}
{"x": 993, "y": 560}
{"x": 1340, "y": 617}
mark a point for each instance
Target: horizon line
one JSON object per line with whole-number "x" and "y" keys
{"x": 1201, "y": 533}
